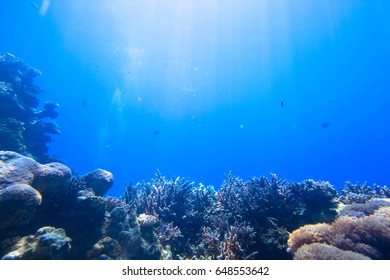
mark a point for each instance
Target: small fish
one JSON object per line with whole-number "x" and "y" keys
{"x": 84, "y": 103}
{"x": 325, "y": 125}
{"x": 156, "y": 132}
{"x": 34, "y": 5}
{"x": 282, "y": 103}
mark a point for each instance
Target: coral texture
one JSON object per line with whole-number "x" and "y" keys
{"x": 47, "y": 243}
{"x": 318, "y": 251}
{"x": 367, "y": 235}
{"x": 18, "y": 204}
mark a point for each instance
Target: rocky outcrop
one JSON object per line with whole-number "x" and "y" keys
{"x": 47, "y": 243}
{"x": 99, "y": 180}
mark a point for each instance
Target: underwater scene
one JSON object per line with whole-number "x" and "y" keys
{"x": 194, "y": 130}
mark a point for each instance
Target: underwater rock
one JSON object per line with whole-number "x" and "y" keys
{"x": 105, "y": 248}
{"x": 48, "y": 243}
{"x": 99, "y": 180}
{"x": 48, "y": 179}
{"x": 18, "y": 204}
{"x": 87, "y": 203}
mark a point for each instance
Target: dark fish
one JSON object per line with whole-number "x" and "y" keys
{"x": 84, "y": 104}
{"x": 156, "y": 132}
{"x": 325, "y": 125}
{"x": 34, "y": 5}
{"x": 282, "y": 103}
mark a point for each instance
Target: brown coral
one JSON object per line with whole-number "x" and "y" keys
{"x": 308, "y": 234}
{"x": 319, "y": 251}
{"x": 368, "y": 235}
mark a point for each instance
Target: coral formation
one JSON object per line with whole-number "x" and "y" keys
{"x": 34, "y": 195}
{"x": 364, "y": 209}
{"x": 47, "y": 243}
{"x": 48, "y": 179}
{"x": 99, "y": 180}
{"x": 242, "y": 220}
{"x": 367, "y": 235}
{"x": 319, "y": 251}
{"x": 18, "y": 203}
{"x": 361, "y": 193}
{"x": 176, "y": 219}
{"x": 24, "y": 128}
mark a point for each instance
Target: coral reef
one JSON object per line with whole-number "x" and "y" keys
{"x": 23, "y": 128}
{"x": 176, "y": 219}
{"x": 368, "y": 235}
{"x": 34, "y": 195}
{"x": 242, "y": 220}
{"x": 274, "y": 207}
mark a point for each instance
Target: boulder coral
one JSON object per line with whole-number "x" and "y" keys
{"x": 18, "y": 204}
{"x": 48, "y": 179}
{"x": 34, "y": 195}
{"x": 99, "y": 180}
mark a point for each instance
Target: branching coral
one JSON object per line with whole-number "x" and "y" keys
{"x": 273, "y": 206}
{"x": 174, "y": 201}
{"x": 166, "y": 233}
{"x": 361, "y": 193}
{"x": 233, "y": 245}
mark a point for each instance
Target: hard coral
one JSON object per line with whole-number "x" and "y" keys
{"x": 367, "y": 235}
{"x": 48, "y": 243}
{"x": 361, "y": 193}
{"x": 18, "y": 203}
{"x": 319, "y": 251}
{"x": 22, "y": 128}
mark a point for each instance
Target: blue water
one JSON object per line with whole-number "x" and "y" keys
{"x": 194, "y": 88}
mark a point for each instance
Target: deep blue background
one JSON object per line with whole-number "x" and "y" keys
{"x": 209, "y": 76}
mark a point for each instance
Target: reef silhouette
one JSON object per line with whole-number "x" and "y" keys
{"x": 24, "y": 128}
